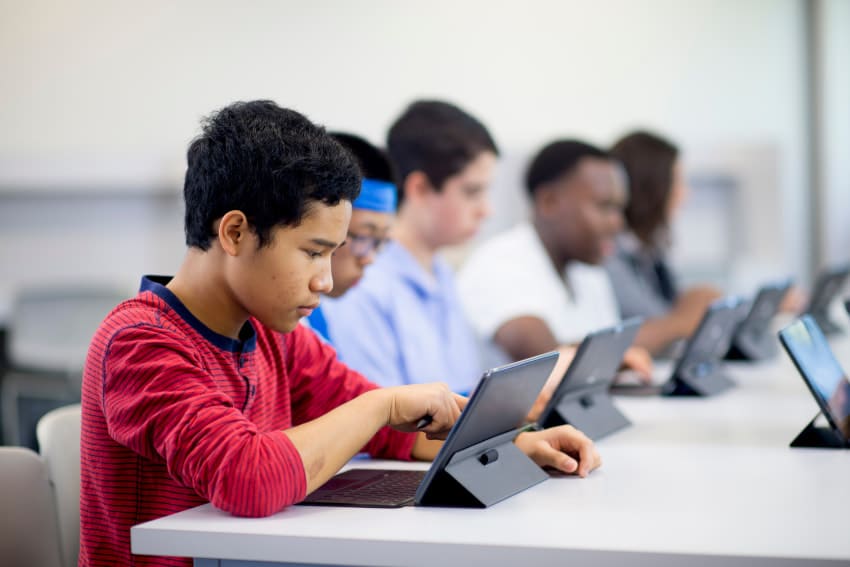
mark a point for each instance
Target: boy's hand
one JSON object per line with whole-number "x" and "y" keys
{"x": 564, "y": 448}
{"x": 794, "y": 302}
{"x": 639, "y": 360}
{"x": 409, "y": 404}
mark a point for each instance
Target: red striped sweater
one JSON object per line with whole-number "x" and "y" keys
{"x": 175, "y": 415}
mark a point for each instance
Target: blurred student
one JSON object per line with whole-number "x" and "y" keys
{"x": 403, "y": 323}
{"x": 643, "y": 281}
{"x": 540, "y": 284}
{"x": 204, "y": 387}
{"x": 372, "y": 215}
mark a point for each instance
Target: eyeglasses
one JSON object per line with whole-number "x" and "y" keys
{"x": 363, "y": 245}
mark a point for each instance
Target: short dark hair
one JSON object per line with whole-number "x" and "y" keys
{"x": 556, "y": 159}
{"x": 269, "y": 162}
{"x": 648, "y": 160}
{"x": 436, "y": 138}
{"x": 373, "y": 161}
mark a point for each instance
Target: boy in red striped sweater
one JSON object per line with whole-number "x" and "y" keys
{"x": 203, "y": 388}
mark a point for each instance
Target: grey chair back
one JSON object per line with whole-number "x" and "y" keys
{"x": 58, "y": 435}
{"x": 28, "y": 532}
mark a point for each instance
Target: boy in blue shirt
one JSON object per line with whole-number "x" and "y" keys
{"x": 403, "y": 323}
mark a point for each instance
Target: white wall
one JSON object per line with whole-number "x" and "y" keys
{"x": 835, "y": 130}
{"x": 106, "y": 95}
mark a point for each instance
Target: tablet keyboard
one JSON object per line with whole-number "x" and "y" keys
{"x": 380, "y": 488}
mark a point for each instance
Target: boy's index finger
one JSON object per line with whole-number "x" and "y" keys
{"x": 461, "y": 401}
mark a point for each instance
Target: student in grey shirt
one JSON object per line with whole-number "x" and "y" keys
{"x": 642, "y": 280}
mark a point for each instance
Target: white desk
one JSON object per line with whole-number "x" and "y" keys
{"x": 768, "y": 407}
{"x": 694, "y": 481}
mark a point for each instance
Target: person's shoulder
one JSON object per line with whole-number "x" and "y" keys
{"x": 591, "y": 273}
{"x": 591, "y": 279}
{"x": 617, "y": 261}
{"x": 145, "y": 309}
{"x": 515, "y": 239}
{"x": 143, "y": 321}
{"x": 506, "y": 253}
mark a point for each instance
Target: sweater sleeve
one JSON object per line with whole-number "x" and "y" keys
{"x": 161, "y": 402}
{"x": 320, "y": 383}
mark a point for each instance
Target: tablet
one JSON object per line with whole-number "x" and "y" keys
{"x": 753, "y": 339}
{"x": 808, "y": 348}
{"x": 497, "y": 408}
{"x": 830, "y": 283}
{"x": 594, "y": 367}
{"x": 699, "y": 371}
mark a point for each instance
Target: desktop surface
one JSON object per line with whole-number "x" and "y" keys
{"x": 696, "y": 481}
{"x": 656, "y": 504}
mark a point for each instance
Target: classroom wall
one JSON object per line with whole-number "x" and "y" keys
{"x": 100, "y": 98}
{"x": 834, "y": 44}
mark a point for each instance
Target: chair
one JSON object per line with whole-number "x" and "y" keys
{"x": 49, "y": 333}
{"x": 58, "y": 434}
{"x": 28, "y": 531}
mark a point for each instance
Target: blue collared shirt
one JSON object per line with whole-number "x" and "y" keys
{"x": 403, "y": 325}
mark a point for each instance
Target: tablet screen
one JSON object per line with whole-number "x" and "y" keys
{"x": 712, "y": 338}
{"x": 813, "y": 357}
{"x": 765, "y": 307}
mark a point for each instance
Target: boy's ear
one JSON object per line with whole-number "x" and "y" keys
{"x": 546, "y": 199}
{"x": 233, "y": 232}
{"x": 417, "y": 186}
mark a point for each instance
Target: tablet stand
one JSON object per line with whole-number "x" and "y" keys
{"x": 483, "y": 474}
{"x": 702, "y": 379}
{"x": 592, "y": 411}
{"x": 821, "y": 437}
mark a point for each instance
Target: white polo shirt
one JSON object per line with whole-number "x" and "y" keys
{"x": 511, "y": 276}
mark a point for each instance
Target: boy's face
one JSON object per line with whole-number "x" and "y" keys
{"x": 456, "y": 212}
{"x": 366, "y": 233}
{"x": 280, "y": 283}
{"x": 589, "y": 210}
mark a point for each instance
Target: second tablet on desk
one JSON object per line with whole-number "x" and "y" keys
{"x": 582, "y": 398}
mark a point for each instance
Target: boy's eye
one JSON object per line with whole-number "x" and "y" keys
{"x": 314, "y": 254}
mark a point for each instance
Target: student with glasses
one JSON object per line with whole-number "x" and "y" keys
{"x": 372, "y": 215}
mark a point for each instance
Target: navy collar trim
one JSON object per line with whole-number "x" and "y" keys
{"x": 248, "y": 336}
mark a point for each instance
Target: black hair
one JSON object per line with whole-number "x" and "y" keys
{"x": 436, "y": 138}
{"x": 556, "y": 159}
{"x": 269, "y": 162}
{"x": 373, "y": 161}
{"x": 648, "y": 159}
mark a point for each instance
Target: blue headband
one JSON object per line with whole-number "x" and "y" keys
{"x": 380, "y": 196}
